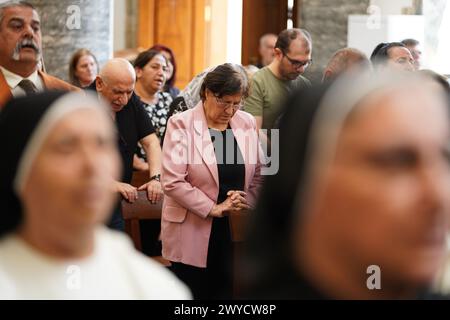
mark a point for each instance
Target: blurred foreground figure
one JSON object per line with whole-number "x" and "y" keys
{"x": 360, "y": 207}
{"x": 56, "y": 177}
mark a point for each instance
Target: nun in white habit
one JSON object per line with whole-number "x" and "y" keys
{"x": 58, "y": 161}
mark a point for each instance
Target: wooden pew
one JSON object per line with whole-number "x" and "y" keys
{"x": 238, "y": 225}
{"x": 141, "y": 209}
{"x": 139, "y": 178}
{"x": 238, "y": 228}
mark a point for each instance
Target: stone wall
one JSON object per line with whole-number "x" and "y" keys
{"x": 132, "y": 23}
{"x": 327, "y": 22}
{"x": 70, "y": 25}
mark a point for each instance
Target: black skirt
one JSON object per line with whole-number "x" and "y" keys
{"x": 216, "y": 280}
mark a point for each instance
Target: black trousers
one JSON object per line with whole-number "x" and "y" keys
{"x": 116, "y": 221}
{"x": 216, "y": 280}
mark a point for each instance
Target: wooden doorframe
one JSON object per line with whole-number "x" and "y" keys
{"x": 146, "y": 23}
{"x": 147, "y": 31}
{"x": 297, "y": 6}
{"x": 251, "y": 37}
{"x": 149, "y": 34}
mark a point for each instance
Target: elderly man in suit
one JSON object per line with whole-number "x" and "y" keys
{"x": 20, "y": 53}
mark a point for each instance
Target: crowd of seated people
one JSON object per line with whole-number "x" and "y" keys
{"x": 361, "y": 193}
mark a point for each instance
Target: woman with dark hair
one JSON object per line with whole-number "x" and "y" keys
{"x": 150, "y": 69}
{"x": 392, "y": 55}
{"x": 171, "y": 72}
{"x": 210, "y": 167}
{"x": 56, "y": 195}
{"x": 361, "y": 205}
{"x": 190, "y": 96}
{"x": 83, "y": 68}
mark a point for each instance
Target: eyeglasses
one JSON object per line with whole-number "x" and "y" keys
{"x": 226, "y": 105}
{"x": 296, "y": 63}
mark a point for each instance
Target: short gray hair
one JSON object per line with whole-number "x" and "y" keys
{"x": 13, "y": 3}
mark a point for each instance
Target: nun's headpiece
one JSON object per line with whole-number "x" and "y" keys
{"x": 25, "y": 123}
{"x": 309, "y": 131}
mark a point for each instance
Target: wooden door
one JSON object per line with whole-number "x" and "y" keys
{"x": 261, "y": 17}
{"x": 179, "y": 25}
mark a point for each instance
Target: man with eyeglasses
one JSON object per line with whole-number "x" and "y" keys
{"x": 272, "y": 84}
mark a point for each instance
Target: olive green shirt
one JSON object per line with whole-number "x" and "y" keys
{"x": 268, "y": 93}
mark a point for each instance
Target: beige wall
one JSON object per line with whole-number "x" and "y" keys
{"x": 224, "y": 31}
{"x": 120, "y": 21}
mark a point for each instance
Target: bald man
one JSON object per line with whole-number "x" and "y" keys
{"x": 115, "y": 83}
{"x": 344, "y": 60}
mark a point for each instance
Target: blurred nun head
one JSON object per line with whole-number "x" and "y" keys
{"x": 59, "y": 158}
{"x": 363, "y": 190}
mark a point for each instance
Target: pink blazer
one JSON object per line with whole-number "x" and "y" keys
{"x": 191, "y": 183}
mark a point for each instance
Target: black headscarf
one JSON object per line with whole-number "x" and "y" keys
{"x": 269, "y": 248}
{"x": 24, "y": 123}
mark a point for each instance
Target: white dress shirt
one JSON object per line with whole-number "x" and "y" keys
{"x": 13, "y": 81}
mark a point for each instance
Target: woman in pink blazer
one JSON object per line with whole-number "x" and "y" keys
{"x": 210, "y": 166}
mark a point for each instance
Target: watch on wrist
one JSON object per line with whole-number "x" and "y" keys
{"x": 156, "y": 177}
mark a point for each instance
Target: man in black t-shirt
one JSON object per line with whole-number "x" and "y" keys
{"x": 115, "y": 84}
